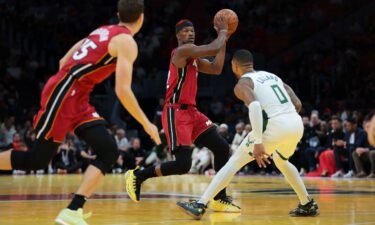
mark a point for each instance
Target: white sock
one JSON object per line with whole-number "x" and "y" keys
{"x": 291, "y": 175}
{"x": 225, "y": 175}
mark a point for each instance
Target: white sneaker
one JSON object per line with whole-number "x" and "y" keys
{"x": 349, "y": 174}
{"x": 338, "y": 174}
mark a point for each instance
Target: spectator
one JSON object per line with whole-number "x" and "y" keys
{"x": 354, "y": 137}
{"x": 65, "y": 160}
{"x": 239, "y": 136}
{"x": 137, "y": 152}
{"x": 8, "y": 129}
{"x": 121, "y": 140}
{"x": 247, "y": 129}
{"x": 202, "y": 158}
{"x": 223, "y": 131}
{"x": 364, "y": 156}
{"x": 315, "y": 138}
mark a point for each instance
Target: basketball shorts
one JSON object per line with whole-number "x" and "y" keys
{"x": 64, "y": 107}
{"x": 183, "y": 126}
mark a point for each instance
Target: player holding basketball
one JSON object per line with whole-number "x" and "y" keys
{"x": 65, "y": 104}
{"x": 182, "y": 122}
{"x": 277, "y": 128}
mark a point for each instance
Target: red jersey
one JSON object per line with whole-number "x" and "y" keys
{"x": 182, "y": 83}
{"x": 91, "y": 63}
{"x": 65, "y": 97}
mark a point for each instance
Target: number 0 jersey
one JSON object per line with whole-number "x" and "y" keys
{"x": 270, "y": 92}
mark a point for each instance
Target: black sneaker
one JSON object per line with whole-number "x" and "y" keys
{"x": 310, "y": 209}
{"x": 193, "y": 208}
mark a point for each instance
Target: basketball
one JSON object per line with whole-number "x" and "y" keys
{"x": 230, "y": 16}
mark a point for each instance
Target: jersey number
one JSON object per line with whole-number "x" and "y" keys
{"x": 82, "y": 53}
{"x": 279, "y": 94}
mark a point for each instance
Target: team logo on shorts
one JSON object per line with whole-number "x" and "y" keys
{"x": 208, "y": 123}
{"x": 95, "y": 114}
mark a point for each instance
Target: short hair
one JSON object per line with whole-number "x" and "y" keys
{"x": 369, "y": 116}
{"x": 352, "y": 120}
{"x": 336, "y": 118}
{"x": 243, "y": 57}
{"x": 130, "y": 10}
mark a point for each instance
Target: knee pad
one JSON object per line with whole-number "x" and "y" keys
{"x": 106, "y": 155}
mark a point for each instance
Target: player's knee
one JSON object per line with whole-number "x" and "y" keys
{"x": 106, "y": 156}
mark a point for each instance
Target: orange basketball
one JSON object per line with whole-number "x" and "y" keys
{"x": 230, "y": 16}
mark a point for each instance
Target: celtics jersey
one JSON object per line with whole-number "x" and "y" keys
{"x": 270, "y": 92}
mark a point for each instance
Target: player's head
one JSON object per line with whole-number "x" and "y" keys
{"x": 131, "y": 12}
{"x": 185, "y": 33}
{"x": 242, "y": 62}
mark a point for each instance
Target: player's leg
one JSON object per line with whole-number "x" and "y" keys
{"x": 307, "y": 206}
{"x": 221, "y": 179}
{"x": 36, "y": 158}
{"x": 212, "y": 140}
{"x": 106, "y": 153}
{"x": 178, "y": 129}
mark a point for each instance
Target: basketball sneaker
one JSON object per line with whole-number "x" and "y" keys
{"x": 310, "y": 209}
{"x": 133, "y": 185}
{"x": 72, "y": 217}
{"x": 224, "y": 205}
{"x": 193, "y": 208}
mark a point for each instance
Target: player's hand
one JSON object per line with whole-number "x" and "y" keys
{"x": 260, "y": 155}
{"x": 152, "y": 130}
{"x": 221, "y": 26}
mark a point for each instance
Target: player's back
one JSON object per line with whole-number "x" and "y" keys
{"x": 270, "y": 92}
{"x": 92, "y": 63}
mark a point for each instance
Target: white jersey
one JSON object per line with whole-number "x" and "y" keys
{"x": 270, "y": 92}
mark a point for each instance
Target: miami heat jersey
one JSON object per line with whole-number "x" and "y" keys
{"x": 182, "y": 83}
{"x": 91, "y": 63}
{"x": 65, "y": 97}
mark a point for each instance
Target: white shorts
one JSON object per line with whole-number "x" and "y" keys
{"x": 282, "y": 134}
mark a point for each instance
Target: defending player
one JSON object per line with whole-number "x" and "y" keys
{"x": 65, "y": 104}
{"x": 182, "y": 122}
{"x": 277, "y": 128}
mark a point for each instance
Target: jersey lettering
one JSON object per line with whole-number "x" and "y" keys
{"x": 82, "y": 53}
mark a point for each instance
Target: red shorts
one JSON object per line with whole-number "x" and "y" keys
{"x": 183, "y": 126}
{"x": 64, "y": 107}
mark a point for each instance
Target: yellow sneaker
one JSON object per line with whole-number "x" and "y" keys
{"x": 72, "y": 217}
{"x": 224, "y": 205}
{"x": 133, "y": 185}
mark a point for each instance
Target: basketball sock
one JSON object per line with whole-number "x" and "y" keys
{"x": 292, "y": 176}
{"x": 77, "y": 202}
{"x": 144, "y": 174}
{"x": 225, "y": 175}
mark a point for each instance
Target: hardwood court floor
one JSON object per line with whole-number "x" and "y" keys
{"x": 264, "y": 200}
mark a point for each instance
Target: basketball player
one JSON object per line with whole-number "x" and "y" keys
{"x": 277, "y": 128}
{"x": 65, "y": 104}
{"x": 182, "y": 122}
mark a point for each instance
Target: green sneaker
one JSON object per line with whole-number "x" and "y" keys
{"x": 72, "y": 217}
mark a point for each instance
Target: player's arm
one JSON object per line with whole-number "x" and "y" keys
{"x": 69, "y": 54}
{"x": 244, "y": 91}
{"x": 213, "y": 67}
{"x": 295, "y": 100}
{"x": 125, "y": 49}
{"x": 186, "y": 51}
